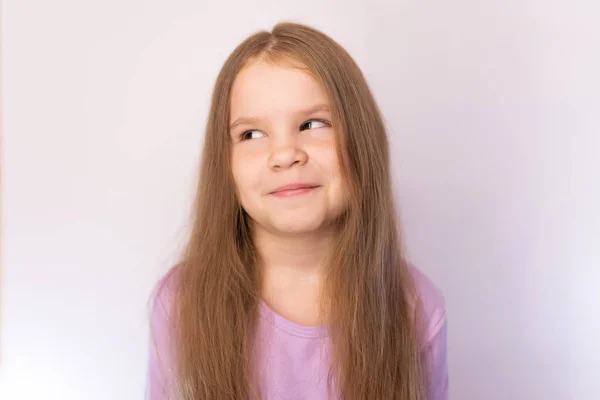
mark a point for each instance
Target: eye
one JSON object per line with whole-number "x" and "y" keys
{"x": 249, "y": 135}
{"x": 314, "y": 124}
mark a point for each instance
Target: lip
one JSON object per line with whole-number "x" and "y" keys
{"x": 294, "y": 189}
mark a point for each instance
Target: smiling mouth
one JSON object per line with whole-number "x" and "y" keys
{"x": 294, "y": 192}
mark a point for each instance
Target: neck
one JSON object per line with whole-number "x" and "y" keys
{"x": 298, "y": 254}
{"x": 292, "y": 272}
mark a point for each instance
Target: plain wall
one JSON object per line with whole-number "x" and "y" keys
{"x": 494, "y": 121}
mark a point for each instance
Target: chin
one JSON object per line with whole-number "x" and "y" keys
{"x": 296, "y": 229}
{"x": 296, "y": 226}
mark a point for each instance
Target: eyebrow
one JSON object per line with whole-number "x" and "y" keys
{"x": 306, "y": 112}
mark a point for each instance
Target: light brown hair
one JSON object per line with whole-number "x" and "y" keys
{"x": 368, "y": 291}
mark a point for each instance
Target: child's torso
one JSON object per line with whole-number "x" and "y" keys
{"x": 291, "y": 361}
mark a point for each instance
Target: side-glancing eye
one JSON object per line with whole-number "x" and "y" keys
{"x": 314, "y": 124}
{"x": 310, "y": 124}
{"x": 248, "y": 135}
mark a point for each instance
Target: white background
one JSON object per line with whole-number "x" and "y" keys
{"x": 494, "y": 117}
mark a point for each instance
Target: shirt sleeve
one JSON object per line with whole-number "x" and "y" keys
{"x": 435, "y": 356}
{"x": 159, "y": 372}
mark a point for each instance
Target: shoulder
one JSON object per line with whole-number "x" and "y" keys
{"x": 163, "y": 298}
{"x": 162, "y": 348}
{"x": 430, "y": 315}
{"x": 430, "y": 305}
{"x": 161, "y": 311}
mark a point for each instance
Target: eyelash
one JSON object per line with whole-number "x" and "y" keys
{"x": 325, "y": 122}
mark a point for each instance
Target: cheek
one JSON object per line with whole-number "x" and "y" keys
{"x": 246, "y": 175}
{"x": 328, "y": 161}
{"x": 336, "y": 179}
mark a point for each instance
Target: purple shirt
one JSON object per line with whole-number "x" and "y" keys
{"x": 291, "y": 360}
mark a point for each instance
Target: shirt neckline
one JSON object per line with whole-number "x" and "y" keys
{"x": 279, "y": 322}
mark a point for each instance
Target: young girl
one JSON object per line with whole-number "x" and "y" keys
{"x": 293, "y": 284}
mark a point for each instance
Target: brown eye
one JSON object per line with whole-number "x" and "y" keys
{"x": 314, "y": 124}
{"x": 249, "y": 135}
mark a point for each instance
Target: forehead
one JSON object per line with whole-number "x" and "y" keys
{"x": 262, "y": 89}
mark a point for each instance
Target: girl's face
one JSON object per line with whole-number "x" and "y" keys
{"x": 284, "y": 157}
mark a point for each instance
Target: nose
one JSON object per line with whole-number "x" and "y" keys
{"x": 287, "y": 153}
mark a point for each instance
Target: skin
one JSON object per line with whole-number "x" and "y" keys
{"x": 282, "y": 133}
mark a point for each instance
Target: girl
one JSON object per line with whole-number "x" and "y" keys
{"x": 293, "y": 284}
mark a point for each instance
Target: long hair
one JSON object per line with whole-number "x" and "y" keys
{"x": 368, "y": 290}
